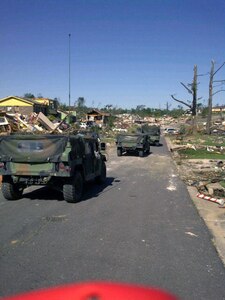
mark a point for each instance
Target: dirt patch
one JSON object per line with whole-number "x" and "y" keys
{"x": 200, "y": 170}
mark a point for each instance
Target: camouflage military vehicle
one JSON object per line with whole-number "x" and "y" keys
{"x": 64, "y": 162}
{"x": 133, "y": 143}
{"x": 153, "y": 133}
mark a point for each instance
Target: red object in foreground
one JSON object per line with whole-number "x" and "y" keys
{"x": 96, "y": 291}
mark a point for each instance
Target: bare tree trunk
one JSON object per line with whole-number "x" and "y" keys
{"x": 209, "y": 118}
{"x": 194, "y": 101}
{"x": 193, "y": 105}
{"x": 194, "y": 89}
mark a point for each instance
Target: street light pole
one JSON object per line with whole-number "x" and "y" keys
{"x": 69, "y": 71}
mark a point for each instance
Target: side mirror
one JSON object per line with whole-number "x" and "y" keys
{"x": 103, "y": 146}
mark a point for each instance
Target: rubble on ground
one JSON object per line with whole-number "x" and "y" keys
{"x": 204, "y": 174}
{"x": 4, "y": 124}
{"x": 125, "y": 121}
{"x": 32, "y": 123}
{"x": 201, "y": 170}
{"x": 216, "y": 149}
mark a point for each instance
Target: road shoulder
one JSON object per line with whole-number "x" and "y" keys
{"x": 211, "y": 213}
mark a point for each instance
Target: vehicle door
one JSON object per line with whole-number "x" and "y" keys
{"x": 89, "y": 160}
{"x": 97, "y": 158}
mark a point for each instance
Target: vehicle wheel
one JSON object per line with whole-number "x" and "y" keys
{"x": 148, "y": 150}
{"x": 73, "y": 192}
{"x": 102, "y": 177}
{"x": 141, "y": 153}
{"x": 157, "y": 144}
{"x": 119, "y": 152}
{"x": 11, "y": 191}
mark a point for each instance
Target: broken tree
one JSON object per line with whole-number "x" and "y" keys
{"x": 193, "y": 91}
{"x": 212, "y": 74}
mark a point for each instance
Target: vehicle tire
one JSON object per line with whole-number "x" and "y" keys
{"x": 141, "y": 153}
{"x": 119, "y": 152}
{"x": 11, "y": 190}
{"x": 73, "y": 192}
{"x": 148, "y": 150}
{"x": 102, "y": 177}
{"x": 157, "y": 144}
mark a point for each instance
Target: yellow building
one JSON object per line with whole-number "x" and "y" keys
{"x": 14, "y": 104}
{"x": 52, "y": 105}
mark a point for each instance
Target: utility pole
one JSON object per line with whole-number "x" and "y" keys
{"x": 209, "y": 117}
{"x": 167, "y": 106}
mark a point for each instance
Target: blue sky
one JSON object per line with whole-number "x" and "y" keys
{"x": 124, "y": 53}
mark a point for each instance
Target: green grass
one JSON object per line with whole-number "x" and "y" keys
{"x": 214, "y": 140}
{"x": 200, "y": 139}
{"x": 199, "y": 154}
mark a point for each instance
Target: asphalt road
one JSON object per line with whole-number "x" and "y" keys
{"x": 140, "y": 227}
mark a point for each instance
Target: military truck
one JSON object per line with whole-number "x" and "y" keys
{"x": 133, "y": 143}
{"x": 64, "y": 162}
{"x": 153, "y": 133}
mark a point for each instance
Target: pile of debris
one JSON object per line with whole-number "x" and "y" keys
{"x": 5, "y": 127}
{"x": 33, "y": 123}
{"x": 125, "y": 121}
{"x": 205, "y": 175}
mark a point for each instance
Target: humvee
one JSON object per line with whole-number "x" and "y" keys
{"x": 64, "y": 162}
{"x": 133, "y": 143}
{"x": 153, "y": 133}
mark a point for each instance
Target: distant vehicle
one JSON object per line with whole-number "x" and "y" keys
{"x": 63, "y": 162}
{"x": 170, "y": 131}
{"x": 133, "y": 143}
{"x": 153, "y": 133}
